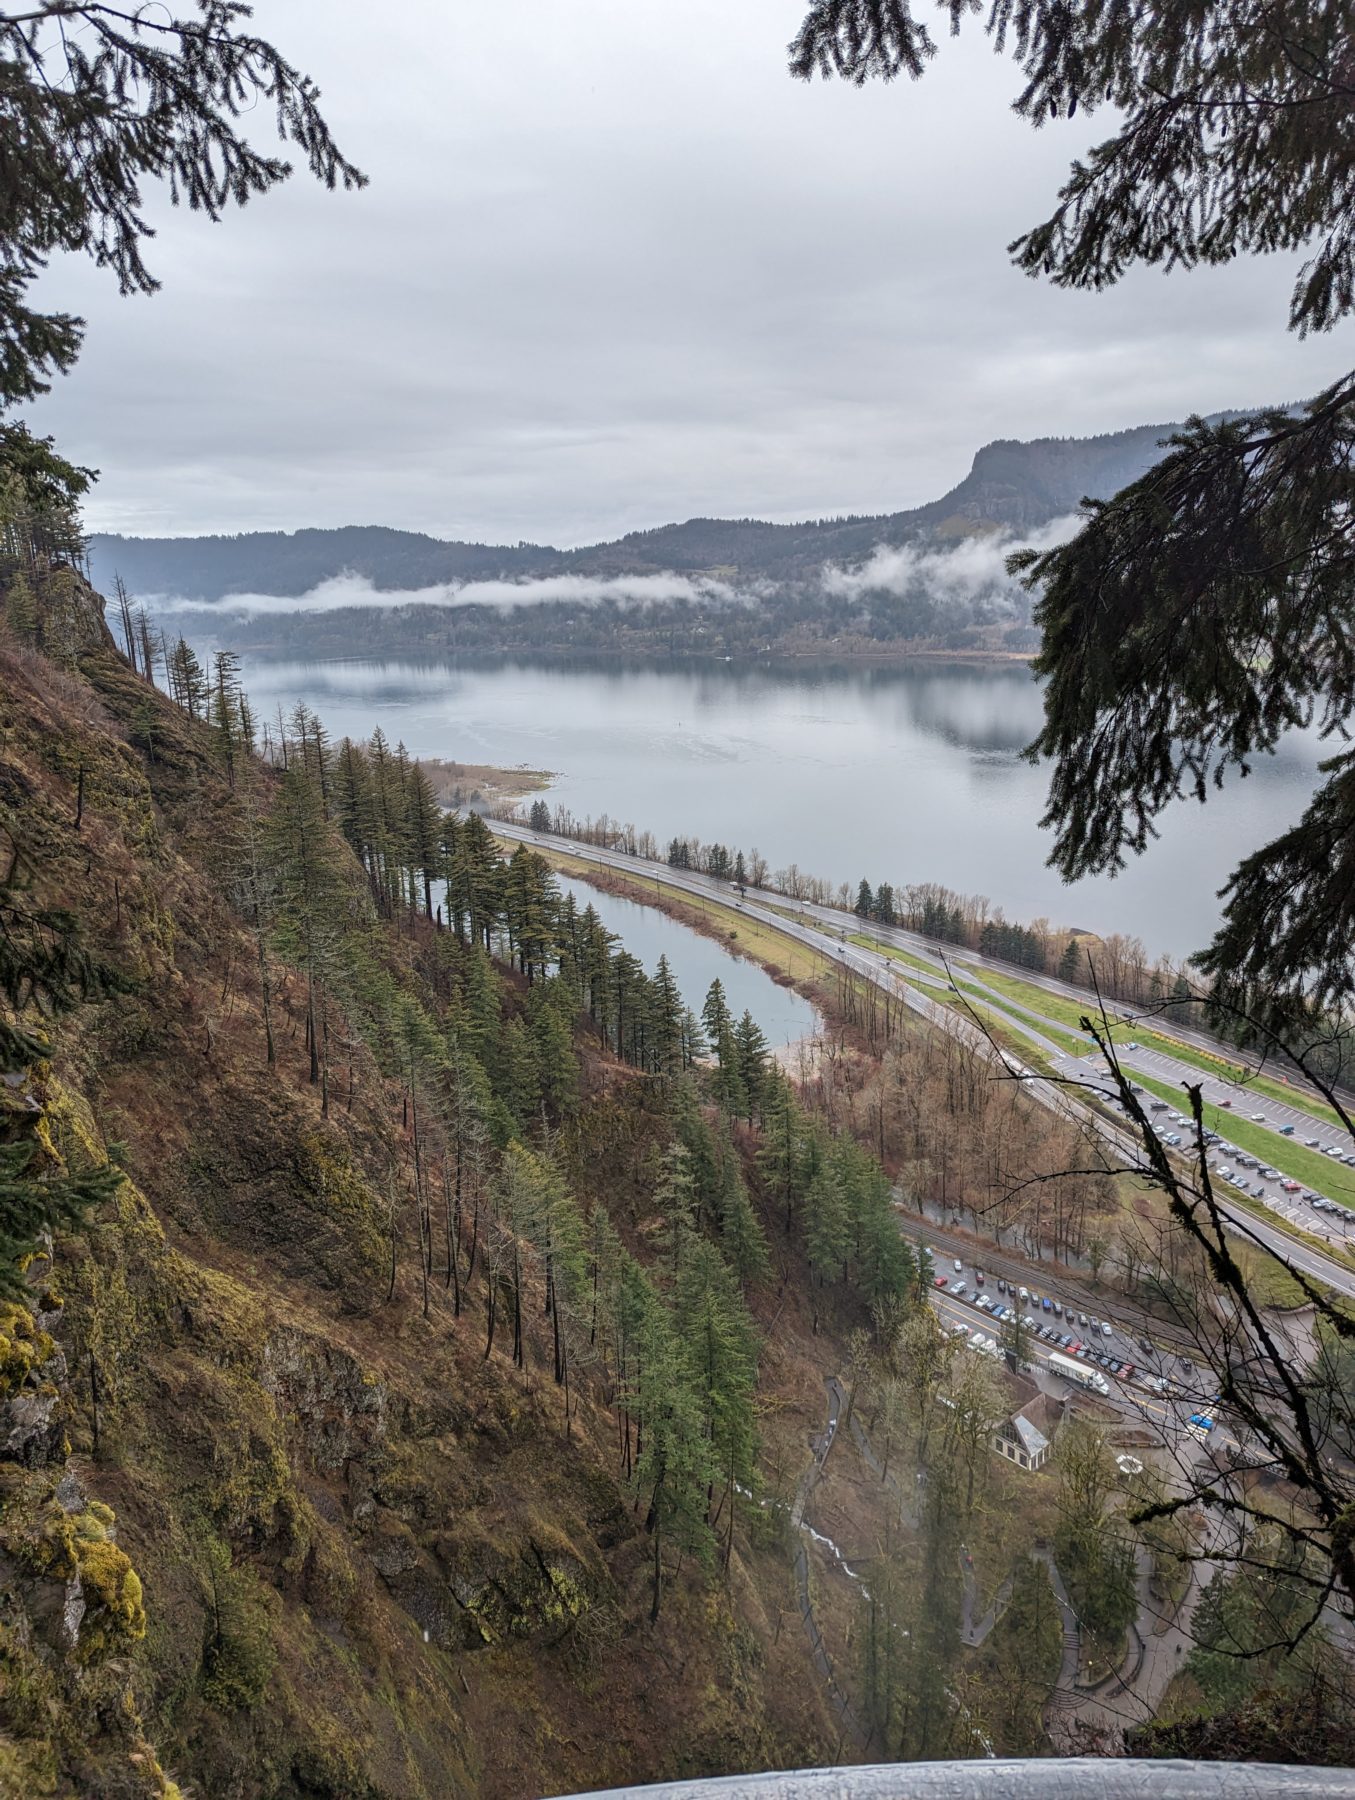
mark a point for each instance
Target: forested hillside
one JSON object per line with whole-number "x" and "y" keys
{"x": 410, "y": 1398}
{"x": 1011, "y": 483}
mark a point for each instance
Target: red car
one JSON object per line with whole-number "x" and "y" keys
{"x": 940, "y": 1281}
{"x": 1075, "y": 1348}
{"x": 978, "y": 1277}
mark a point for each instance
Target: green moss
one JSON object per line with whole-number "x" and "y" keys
{"x": 116, "y": 1618}
{"x": 240, "y": 1654}
{"x": 62, "y": 1546}
{"x": 23, "y": 1346}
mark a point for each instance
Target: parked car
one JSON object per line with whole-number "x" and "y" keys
{"x": 1046, "y": 1303}
{"x": 1127, "y": 1372}
{"x": 959, "y": 1290}
{"x": 958, "y": 1265}
{"x": 1082, "y": 1318}
{"x": 1106, "y": 1330}
{"x": 940, "y": 1281}
{"x": 1258, "y": 1118}
{"x": 978, "y": 1276}
{"x": 1313, "y": 1143}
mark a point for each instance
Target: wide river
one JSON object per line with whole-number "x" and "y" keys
{"x": 901, "y": 774}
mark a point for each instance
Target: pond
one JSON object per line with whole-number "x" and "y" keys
{"x": 696, "y": 961}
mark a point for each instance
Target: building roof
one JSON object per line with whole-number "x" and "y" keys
{"x": 1033, "y": 1440}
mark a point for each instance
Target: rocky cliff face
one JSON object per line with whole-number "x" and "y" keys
{"x": 265, "y": 1530}
{"x": 1025, "y": 485}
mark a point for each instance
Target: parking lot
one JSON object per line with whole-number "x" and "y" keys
{"x": 1152, "y": 1382}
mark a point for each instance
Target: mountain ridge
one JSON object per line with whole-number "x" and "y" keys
{"x": 1019, "y": 484}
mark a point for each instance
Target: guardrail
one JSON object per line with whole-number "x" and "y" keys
{"x": 1063, "y": 1778}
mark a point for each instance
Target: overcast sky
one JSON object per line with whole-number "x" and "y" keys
{"x": 615, "y": 268}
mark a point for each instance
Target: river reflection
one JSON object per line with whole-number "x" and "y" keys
{"x": 908, "y": 773}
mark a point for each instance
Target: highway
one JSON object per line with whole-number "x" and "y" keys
{"x": 824, "y": 930}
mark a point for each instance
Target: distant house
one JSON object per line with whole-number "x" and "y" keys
{"x": 1026, "y": 1435}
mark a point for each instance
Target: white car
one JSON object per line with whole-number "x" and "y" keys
{"x": 959, "y": 1266}
{"x": 1105, "y": 1330}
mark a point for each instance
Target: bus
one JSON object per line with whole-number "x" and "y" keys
{"x": 1072, "y": 1370}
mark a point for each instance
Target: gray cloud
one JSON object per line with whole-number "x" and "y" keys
{"x": 615, "y": 267}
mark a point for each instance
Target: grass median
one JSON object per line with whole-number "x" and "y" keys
{"x": 1321, "y": 1173}
{"x": 736, "y": 930}
{"x": 1208, "y": 1062}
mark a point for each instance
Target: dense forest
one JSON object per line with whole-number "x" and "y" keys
{"x": 434, "y": 1304}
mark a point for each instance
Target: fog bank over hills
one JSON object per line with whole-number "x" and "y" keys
{"x": 1017, "y": 485}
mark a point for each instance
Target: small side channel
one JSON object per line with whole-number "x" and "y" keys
{"x": 784, "y": 1016}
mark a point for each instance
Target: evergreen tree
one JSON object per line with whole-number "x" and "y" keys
{"x": 676, "y": 1202}
{"x": 753, "y": 1061}
{"x": 715, "y": 1015}
{"x": 718, "y": 1349}
{"x": 666, "y": 1014}
{"x": 549, "y": 1015}
{"x": 115, "y": 101}
{"x": 865, "y": 901}
{"x": 187, "y": 682}
{"x": 675, "y": 1467}
{"x": 424, "y": 833}
{"x": 741, "y": 1237}
{"x": 825, "y": 1225}
{"x": 226, "y": 703}
{"x": 518, "y": 1083}
{"x": 727, "y": 1083}
{"x": 780, "y": 1158}
{"x": 311, "y": 886}
{"x": 1071, "y": 962}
